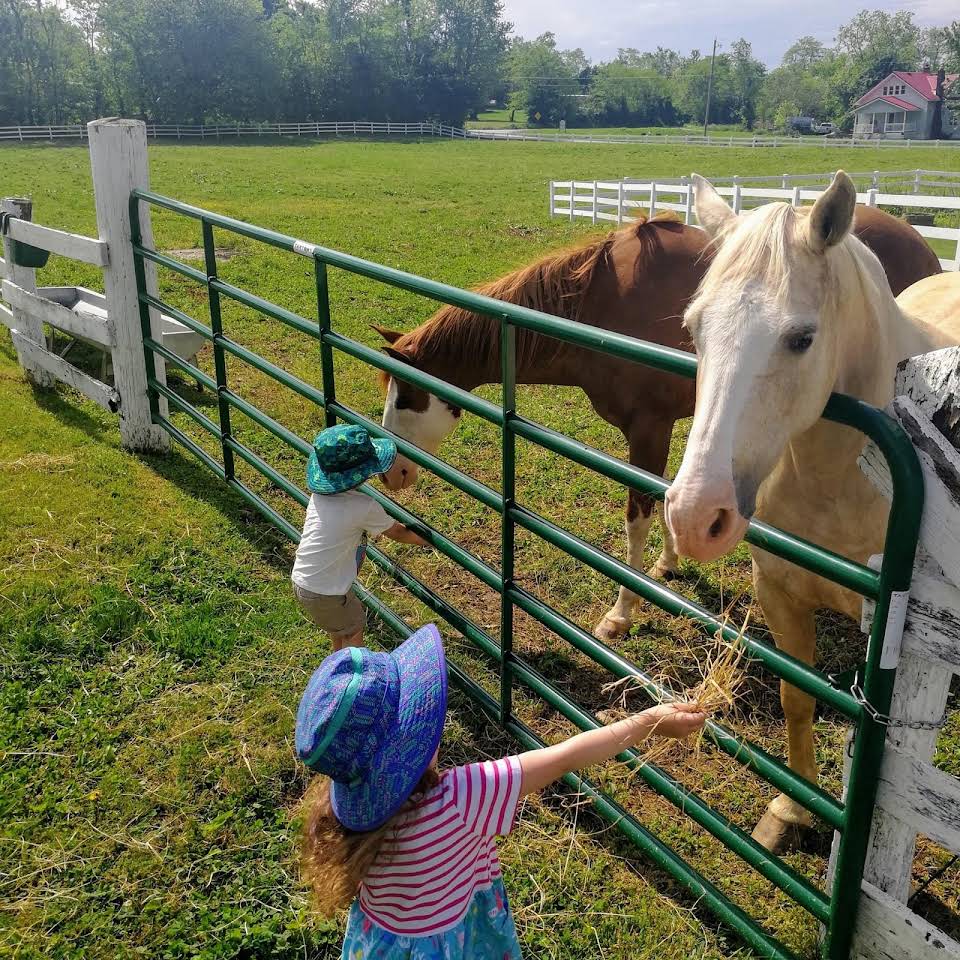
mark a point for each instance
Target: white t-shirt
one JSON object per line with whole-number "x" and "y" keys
{"x": 326, "y": 560}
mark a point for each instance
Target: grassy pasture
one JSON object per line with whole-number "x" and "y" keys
{"x": 152, "y": 655}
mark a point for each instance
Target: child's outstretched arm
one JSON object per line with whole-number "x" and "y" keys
{"x": 542, "y": 767}
{"x": 403, "y": 534}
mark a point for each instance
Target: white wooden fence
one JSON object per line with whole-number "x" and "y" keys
{"x": 118, "y": 156}
{"x": 618, "y": 201}
{"x": 430, "y": 128}
{"x": 914, "y": 796}
{"x": 186, "y": 131}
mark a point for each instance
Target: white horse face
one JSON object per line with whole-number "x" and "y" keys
{"x": 762, "y": 324}
{"x": 419, "y": 417}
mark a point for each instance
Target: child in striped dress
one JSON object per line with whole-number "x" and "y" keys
{"x": 410, "y": 849}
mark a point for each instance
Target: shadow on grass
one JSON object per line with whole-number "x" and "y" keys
{"x": 192, "y": 478}
{"x": 72, "y": 414}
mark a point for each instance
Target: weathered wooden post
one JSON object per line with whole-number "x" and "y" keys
{"x": 914, "y": 796}
{"x": 118, "y": 158}
{"x": 27, "y": 325}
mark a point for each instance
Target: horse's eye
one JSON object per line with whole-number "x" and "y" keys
{"x": 800, "y": 342}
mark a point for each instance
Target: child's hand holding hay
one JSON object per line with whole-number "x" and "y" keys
{"x": 717, "y": 691}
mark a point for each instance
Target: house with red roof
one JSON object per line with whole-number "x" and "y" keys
{"x": 903, "y": 106}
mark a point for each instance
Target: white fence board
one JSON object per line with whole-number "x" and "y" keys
{"x": 98, "y": 392}
{"x": 931, "y": 629}
{"x": 888, "y": 930}
{"x": 71, "y": 245}
{"x": 569, "y": 199}
{"x": 84, "y": 325}
{"x": 939, "y": 530}
{"x": 921, "y": 795}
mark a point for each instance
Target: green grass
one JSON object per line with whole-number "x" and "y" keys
{"x": 153, "y": 657}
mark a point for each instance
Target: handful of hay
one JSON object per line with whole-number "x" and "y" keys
{"x": 721, "y": 677}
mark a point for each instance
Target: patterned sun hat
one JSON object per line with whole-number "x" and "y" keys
{"x": 344, "y": 456}
{"x": 372, "y": 722}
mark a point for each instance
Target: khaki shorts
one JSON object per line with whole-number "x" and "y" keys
{"x": 340, "y": 616}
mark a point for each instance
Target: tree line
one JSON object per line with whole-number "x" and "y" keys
{"x": 665, "y": 87}
{"x": 208, "y": 61}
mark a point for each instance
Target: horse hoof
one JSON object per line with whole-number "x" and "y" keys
{"x": 611, "y": 628}
{"x": 660, "y": 572}
{"x": 778, "y": 835}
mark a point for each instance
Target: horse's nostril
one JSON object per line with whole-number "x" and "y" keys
{"x": 717, "y": 527}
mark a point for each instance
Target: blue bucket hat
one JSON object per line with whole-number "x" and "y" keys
{"x": 372, "y": 722}
{"x": 344, "y": 456}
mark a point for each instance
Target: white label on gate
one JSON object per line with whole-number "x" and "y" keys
{"x": 303, "y": 248}
{"x": 893, "y": 634}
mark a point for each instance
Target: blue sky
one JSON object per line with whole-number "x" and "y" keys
{"x": 770, "y": 25}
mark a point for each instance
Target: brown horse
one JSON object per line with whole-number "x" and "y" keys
{"x": 636, "y": 281}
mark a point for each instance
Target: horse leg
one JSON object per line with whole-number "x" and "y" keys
{"x": 794, "y": 631}
{"x": 649, "y": 446}
{"x": 668, "y": 563}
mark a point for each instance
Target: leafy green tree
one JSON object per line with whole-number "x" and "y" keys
{"x": 623, "y": 94}
{"x": 543, "y": 78}
{"x": 690, "y": 90}
{"x": 42, "y": 65}
{"x": 950, "y": 49}
{"x": 746, "y": 80}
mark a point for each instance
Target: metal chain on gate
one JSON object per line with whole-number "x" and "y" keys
{"x": 887, "y": 721}
{"x": 883, "y": 719}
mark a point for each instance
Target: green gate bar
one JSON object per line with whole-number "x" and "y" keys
{"x": 851, "y": 818}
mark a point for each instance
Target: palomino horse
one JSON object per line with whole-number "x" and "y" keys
{"x": 792, "y": 307}
{"x": 636, "y": 281}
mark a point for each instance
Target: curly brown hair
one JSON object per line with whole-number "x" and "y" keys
{"x": 333, "y": 859}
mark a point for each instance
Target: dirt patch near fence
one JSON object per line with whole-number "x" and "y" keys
{"x": 196, "y": 253}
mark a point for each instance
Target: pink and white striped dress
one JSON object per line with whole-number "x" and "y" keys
{"x": 442, "y": 852}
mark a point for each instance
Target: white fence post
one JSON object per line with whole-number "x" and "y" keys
{"x": 594, "y": 208}
{"x": 620, "y": 203}
{"x": 118, "y": 158}
{"x": 27, "y": 325}
{"x": 653, "y": 200}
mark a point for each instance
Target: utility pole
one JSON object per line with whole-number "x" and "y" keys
{"x": 713, "y": 63}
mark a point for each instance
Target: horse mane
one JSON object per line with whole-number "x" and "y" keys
{"x": 759, "y": 247}
{"x": 555, "y": 284}
{"x": 748, "y": 248}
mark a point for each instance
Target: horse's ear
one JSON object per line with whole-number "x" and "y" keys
{"x": 396, "y": 354}
{"x": 832, "y": 215}
{"x": 391, "y": 336}
{"x": 712, "y": 210}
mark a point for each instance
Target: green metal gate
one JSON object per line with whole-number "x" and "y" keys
{"x": 851, "y": 818}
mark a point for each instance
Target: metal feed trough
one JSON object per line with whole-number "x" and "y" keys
{"x": 177, "y": 337}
